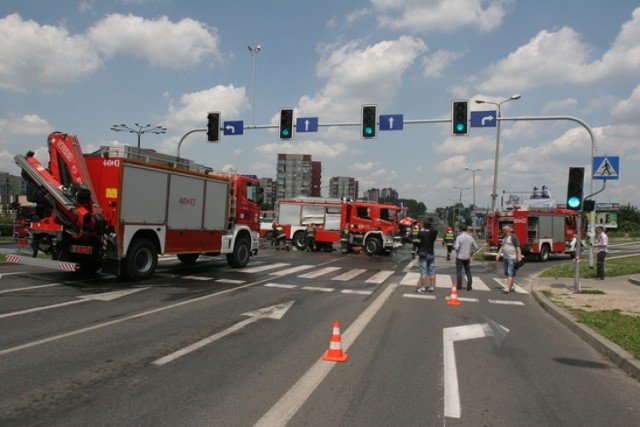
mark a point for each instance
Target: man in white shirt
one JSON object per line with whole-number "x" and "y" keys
{"x": 600, "y": 249}
{"x": 511, "y": 254}
{"x": 464, "y": 246}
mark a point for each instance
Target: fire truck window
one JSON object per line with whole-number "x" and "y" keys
{"x": 252, "y": 192}
{"x": 363, "y": 212}
{"x": 385, "y": 214}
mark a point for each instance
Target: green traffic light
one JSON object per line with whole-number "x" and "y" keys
{"x": 460, "y": 127}
{"x": 368, "y": 130}
{"x": 285, "y": 132}
{"x": 573, "y": 202}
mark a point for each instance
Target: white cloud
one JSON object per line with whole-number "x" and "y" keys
{"x": 194, "y": 106}
{"x": 560, "y": 106}
{"x": 437, "y": 62}
{"x": 317, "y": 149}
{"x": 28, "y": 124}
{"x": 357, "y": 75}
{"x": 440, "y": 15}
{"x": 363, "y": 167}
{"x": 43, "y": 57}
{"x": 628, "y": 110}
{"x": 561, "y": 57}
{"x": 164, "y": 43}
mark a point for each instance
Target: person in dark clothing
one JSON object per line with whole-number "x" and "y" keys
{"x": 427, "y": 257}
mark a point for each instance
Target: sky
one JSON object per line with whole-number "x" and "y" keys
{"x": 80, "y": 66}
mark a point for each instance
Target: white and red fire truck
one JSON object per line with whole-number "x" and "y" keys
{"x": 542, "y": 230}
{"x": 372, "y": 226}
{"x": 119, "y": 208}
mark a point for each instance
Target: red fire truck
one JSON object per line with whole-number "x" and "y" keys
{"x": 372, "y": 226}
{"x": 119, "y": 208}
{"x": 541, "y": 230}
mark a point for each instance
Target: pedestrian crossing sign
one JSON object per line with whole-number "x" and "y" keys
{"x": 606, "y": 167}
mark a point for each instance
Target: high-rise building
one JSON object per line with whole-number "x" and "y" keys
{"x": 297, "y": 175}
{"x": 270, "y": 186}
{"x": 388, "y": 195}
{"x": 373, "y": 195}
{"x": 343, "y": 186}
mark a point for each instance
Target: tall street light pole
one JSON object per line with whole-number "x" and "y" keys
{"x": 494, "y": 194}
{"x": 254, "y": 52}
{"x": 473, "y": 171}
{"x": 460, "y": 199}
{"x": 140, "y": 130}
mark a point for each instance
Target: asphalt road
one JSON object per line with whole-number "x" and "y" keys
{"x": 192, "y": 347}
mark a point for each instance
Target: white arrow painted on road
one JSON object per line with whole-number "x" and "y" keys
{"x": 272, "y": 312}
{"x": 462, "y": 333}
{"x": 107, "y": 296}
{"x": 230, "y": 128}
{"x": 485, "y": 118}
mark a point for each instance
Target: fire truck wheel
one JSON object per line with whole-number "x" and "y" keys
{"x": 241, "y": 253}
{"x": 299, "y": 241}
{"x": 141, "y": 261}
{"x": 373, "y": 246}
{"x": 543, "y": 256}
{"x": 188, "y": 258}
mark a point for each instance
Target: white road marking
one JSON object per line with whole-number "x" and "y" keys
{"x": 379, "y": 277}
{"x": 292, "y": 270}
{"x": 419, "y": 296}
{"x": 203, "y": 278}
{"x": 355, "y": 292}
{"x": 410, "y": 279}
{"x": 278, "y": 285}
{"x": 231, "y": 281}
{"x": 349, "y": 274}
{"x": 504, "y": 302}
{"x": 296, "y": 396}
{"x": 319, "y": 272}
{"x": 317, "y": 288}
{"x": 262, "y": 268}
{"x": 7, "y": 291}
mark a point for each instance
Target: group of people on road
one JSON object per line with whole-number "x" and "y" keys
{"x": 464, "y": 246}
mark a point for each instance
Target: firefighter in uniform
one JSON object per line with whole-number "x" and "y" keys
{"x": 344, "y": 240}
{"x": 415, "y": 240}
{"x": 310, "y": 237}
{"x": 280, "y": 236}
{"x": 448, "y": 240}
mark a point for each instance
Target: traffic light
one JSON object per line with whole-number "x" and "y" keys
{"x": 286, "y": 123}
{"x": 574, "y": 188}
{"x": 369, "y": 116}
{"x": 213, "y": 127}
{"x": 460, "y": 117}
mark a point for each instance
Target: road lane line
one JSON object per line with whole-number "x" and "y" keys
{"x": 379, "y": 277}
{"x": 317, "y": 288}
{"x": 7, "y": 291}
{"x": 355, "y": 292}
{"x": 505, "y": 302}
{"x": 419, "y": 296}
{"x": 287, "y": 406}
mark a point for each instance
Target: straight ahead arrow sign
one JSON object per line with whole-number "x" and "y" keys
{"x": 272, "y": 312}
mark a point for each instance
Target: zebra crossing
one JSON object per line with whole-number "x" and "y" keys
{"x": 373, "y": 277}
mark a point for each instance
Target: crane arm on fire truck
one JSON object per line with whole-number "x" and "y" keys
{"x": 65, "y": 185}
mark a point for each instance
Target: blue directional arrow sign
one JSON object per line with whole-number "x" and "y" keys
{"x": 391, "y": 122}
{"x": 235, "y": 127}
{"x": 606, "y": 167}
{"x": 307, "y": 124}
{"x": 483, "y": 119}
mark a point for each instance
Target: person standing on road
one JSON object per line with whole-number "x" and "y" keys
{"x": 601, "y": 250}
{"x": 310, "y": 234}
{"x": 465, "y": 246}
{"x": 344, "y": 240}
{"x": 427, "y": 257}
{"x": 448, "y": 240}
{"x": 280, "y": 236}
{"x": 415, "y": 240}
{"x": 511, "y": 254}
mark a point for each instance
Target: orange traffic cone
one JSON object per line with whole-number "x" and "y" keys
{"x": 335, "y": 354}
{"x": 453, "y": 299}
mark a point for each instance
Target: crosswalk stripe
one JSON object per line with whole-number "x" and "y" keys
{"x": 444, "y": 281}
{"x": 231, "y": 281}
{"x": 419, "y": 296}
{"x": 502, "y": 282}
{"x": 317, "y": 288}
{"x": 356, "y": 292}
{"x": 292, "y": 270}
{"x": 410, "y": 279}
{"x": 320, "y": 272}
{"x": 479, "y": 285}
{"x": 203, "y": 278}
{"x": 349, "y": 274}
{"x": 409, "y": 266}
{"x": 279, "y": 285}
{"x": 379, "y": 277}
{"x": 504, "y": 302}
{"x": 262, "y": 268}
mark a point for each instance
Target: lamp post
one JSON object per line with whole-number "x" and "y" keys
{"x": 254, "y": 52}
{"x": 460, "y": 199}
{"x": 494, "y": 195}
{"x": 473, "y": 211}
{"x": 140, "y": 129}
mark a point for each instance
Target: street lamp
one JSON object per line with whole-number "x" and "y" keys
{"x": 473, "y": 211}
{"x": 254, "y": 52}
{"x": 141, "y": 129}
{"x": 460, "y": 199}
{"x": 494, "y": 195}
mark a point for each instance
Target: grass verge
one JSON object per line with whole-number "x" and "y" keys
{"x": 612, "y": 267}
{"x": 622, "y": 329}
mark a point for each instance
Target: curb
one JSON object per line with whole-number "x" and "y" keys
{"x": 634, "y": 280}
{"x": 612, "y": 351}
